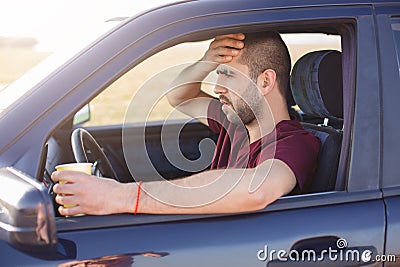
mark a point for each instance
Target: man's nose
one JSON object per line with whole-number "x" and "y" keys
{"x": 220, "y": 89}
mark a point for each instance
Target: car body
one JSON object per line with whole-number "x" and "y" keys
{"x": 362, "y": 211}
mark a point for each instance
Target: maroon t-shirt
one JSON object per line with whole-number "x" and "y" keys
{"x": 289, "y": 142}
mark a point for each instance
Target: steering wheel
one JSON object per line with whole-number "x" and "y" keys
{"x": 86, "y": 149}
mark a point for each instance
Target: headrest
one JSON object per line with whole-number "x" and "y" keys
{"x": 317, "y": 85}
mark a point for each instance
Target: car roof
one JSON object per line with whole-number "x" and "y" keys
{"x": 285, "y": 3}
{"x": 295, "y": 3}
{"x": 187, "y": 8}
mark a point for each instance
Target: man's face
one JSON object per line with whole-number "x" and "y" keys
{"x": 240, "y": 97}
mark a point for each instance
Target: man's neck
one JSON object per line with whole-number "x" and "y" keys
{"x": 269, "y": 120}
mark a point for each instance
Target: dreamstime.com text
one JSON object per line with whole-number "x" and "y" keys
{"x": 340, "y": 253}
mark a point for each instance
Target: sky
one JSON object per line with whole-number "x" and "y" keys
{"x": 58, "y": 24}
{"x": 53, "y": 22}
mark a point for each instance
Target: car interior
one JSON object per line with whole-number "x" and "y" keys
{"x": 315, "y": 98}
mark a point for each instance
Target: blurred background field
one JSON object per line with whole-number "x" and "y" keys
{"x": 161, "y": 69}
{"x": 15, "y": 61}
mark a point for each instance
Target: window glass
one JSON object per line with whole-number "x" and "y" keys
{"x": 153, "y": 75}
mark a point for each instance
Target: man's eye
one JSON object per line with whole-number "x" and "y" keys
{"x": 228, "y": 75}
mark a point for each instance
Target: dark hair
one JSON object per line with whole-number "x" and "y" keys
{"x": 267, "y": 50}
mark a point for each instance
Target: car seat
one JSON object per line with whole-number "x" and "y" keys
{"x": 317, "y": 87}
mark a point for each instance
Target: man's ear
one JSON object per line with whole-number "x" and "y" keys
{"x": 266, "y": 81}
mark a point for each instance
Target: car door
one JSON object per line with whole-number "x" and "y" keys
{"x": 389, "y": 42}
{"x": 327, "y": 228}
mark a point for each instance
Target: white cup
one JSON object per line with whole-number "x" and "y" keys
{"x": 76, "y": 167}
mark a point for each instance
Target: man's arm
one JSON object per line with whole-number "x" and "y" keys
{"x": 215, "y": 191}
{"x": 185, "y": 92}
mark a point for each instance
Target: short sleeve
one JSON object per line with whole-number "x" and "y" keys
{"x": 300, "y": 153}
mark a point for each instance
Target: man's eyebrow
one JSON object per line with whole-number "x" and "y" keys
{"x": 225, "y": 70}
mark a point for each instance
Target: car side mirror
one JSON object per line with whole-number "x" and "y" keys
{"x": 82, "y": 116}
{"x": 27, "y": 220}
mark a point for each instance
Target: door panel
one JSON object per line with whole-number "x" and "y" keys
{"x": 393, "y": 228}
{"x": 237, "y": 239}
{"x": 232, "y": 240}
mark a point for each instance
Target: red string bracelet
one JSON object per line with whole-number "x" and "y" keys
{"x": 138, "y": 197}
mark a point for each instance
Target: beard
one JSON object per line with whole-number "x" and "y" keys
{"x": 240, "y": 112}
{"x": 245, "y": 113}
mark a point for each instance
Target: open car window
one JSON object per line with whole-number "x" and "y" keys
{"x": 157, "y": 72}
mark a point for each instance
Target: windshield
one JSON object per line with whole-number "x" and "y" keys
{"x": 61, "y": 31}
{"x": 11, "y": 93}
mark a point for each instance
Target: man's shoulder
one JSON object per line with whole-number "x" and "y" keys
{"x": 289, "y": 127}
{"x": 293, "y": 132}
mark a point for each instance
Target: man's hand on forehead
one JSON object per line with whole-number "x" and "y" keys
{"x": 224, "y": 48}
{"x": 238, "y": 36}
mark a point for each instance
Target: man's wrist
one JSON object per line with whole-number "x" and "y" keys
{"x": 205, "y": 66}
{"x": 127, "y": 192}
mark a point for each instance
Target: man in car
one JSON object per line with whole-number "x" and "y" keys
{"x": 261, "y": 153}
